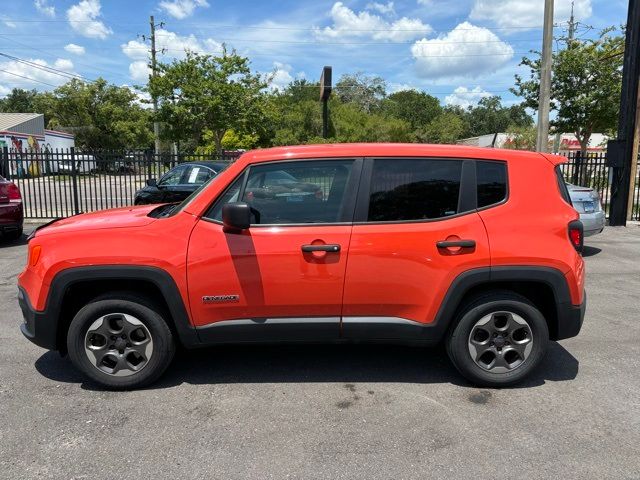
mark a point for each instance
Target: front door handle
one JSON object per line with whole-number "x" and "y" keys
{"x": 456, "y": 243}
{"x": 321, "y": 248}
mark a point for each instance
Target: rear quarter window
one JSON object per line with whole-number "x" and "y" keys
{"x": 562, "y": 186}
{"x": 492, "y": 182}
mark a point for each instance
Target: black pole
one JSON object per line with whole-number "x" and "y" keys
{"x": 325, "y": 118}
{"x": 620, "y": 152}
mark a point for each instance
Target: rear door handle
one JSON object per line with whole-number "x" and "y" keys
{"x": 456, "y": 243}
{"x": 321, "y": 248}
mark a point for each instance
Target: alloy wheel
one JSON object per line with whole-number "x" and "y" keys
{"x": 500, "y": 342}
{"x": 118, "y": 344}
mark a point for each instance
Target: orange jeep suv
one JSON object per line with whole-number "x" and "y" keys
{"x": 418, "y": 244}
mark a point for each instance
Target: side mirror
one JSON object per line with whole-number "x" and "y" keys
{"x": 236, "y": 216}
{"x": 152, "y": 182}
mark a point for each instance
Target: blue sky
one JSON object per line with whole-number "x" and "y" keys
{"x": 458, "y": 50}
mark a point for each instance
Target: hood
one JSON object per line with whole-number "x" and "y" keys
{"x": 114, "y": 218}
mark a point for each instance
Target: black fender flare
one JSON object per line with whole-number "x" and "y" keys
{"x": 476, "y": 277}
{"x": 157, "y": 276}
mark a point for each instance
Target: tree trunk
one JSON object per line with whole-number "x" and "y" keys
{"x": 219, "y": 135}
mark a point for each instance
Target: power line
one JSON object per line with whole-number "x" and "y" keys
{"x": 45, "y": 68}
{"x": 29, "y": 78}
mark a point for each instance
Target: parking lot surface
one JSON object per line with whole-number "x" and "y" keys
{"x": 337, "y": 411}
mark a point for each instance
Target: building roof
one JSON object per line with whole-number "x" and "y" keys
{"x": 28, "y": 123}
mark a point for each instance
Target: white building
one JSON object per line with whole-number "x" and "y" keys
{"x": 567, "y": 142}
{"x": 23, "y": 131}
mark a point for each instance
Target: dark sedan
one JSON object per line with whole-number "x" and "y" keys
{"x": 11, "y": 210}
{"x": 178, "y": 183}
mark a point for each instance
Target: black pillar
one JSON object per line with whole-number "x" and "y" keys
{"x": 621, "y": 152}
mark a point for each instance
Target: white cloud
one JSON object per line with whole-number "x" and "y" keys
{"x": 347, "y": 23}
{"x": 182, "y": 8}
{"x": 9, "y": 23}
{"x": 526, "y": 13}
{"x": 465, "y": 97}
{"x": 400, "y": 87}
{"x": 63, "y": 64}
{"x": 139, "y": 71}
{"x": 281, "y": 76}
{"x": 383, "y": 8}
{"x": 84, "y": 19}
{"x": 12, "y": 73}
{"x": 75, "y": 49}
{"x": 169, "y": 45}
{"x": 466, "y": 50}
{"x": 43, "y": 7}
{"x": 135, "y": 49}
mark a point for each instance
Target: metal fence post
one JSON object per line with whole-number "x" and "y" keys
{"x": 147, "y": 159}
{"x": 4, "y": 165}
{"x": 74, "y": 181}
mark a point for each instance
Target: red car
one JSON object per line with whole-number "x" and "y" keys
{"x": 419, "y": 244}
{"x": 11, "y": 210}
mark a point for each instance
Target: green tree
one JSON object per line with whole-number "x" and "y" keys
{"x": 19, "y": 101}
{"x": 364, "y": 91}
{"x": 521, "y": 138}
{"x": 208, "y": 93}
{"x": 416, "y": 108}
{"x": 351, "y": 124}
{"x": 585, "y": 85}
{"x": 99, "y": 114}
{"x": 445, "y": 128}
{"x": 490, "y": 116}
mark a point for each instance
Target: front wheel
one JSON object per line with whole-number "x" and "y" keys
{"x": 120, "y": 343}
{"x": 498, "y": 339}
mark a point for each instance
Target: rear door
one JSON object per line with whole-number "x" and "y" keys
{"x": 283, "y": 278}
{"x": 416, "y": 228}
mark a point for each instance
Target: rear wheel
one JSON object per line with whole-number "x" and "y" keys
{"x": 120, "y": 342}
{"x": 498, "y": 339}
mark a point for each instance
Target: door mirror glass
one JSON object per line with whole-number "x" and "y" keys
{"x": 151, "y": 182}
{"x": 236, "y": 216}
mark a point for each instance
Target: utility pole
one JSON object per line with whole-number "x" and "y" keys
{"x": 156, "y": 124}
{"x": 544, "y": 100}
{"x": 622, "y": 153}
{"x": 572, "y": 27}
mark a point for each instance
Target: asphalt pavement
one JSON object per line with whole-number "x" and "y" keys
{"x": 337, "y": 411}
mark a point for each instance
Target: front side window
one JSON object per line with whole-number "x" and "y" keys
{"x": 297, "y": 192}
{"x": 414, "y": 189}
{"x": 232, "y": 194}
{"x": 197, "y": 175}
{"x": 173, "y": 176}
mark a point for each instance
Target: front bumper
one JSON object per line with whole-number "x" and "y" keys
{"x": 570, "y": 318}
{"x": 37, "y": 327}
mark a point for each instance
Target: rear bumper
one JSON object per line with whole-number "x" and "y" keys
{"x": 570, "y": 318}
{"x": 36, "y": 326}
{"x": 593, "y": 223}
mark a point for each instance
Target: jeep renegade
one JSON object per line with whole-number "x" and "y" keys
{"x": 419, "y": 244}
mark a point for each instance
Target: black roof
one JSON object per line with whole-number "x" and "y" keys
{"x": 216, "y": 166}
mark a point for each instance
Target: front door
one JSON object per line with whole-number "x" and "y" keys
{"x": 416, "y": 229}
{"x": 283, "y": 277}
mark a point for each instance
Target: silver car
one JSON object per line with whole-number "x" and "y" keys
{"x": 587, "y": 202}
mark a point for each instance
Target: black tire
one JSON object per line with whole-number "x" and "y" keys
{"x": 13, "y": 234}
{"x": 459, "y": 338}
{"x": 163, "y": 344}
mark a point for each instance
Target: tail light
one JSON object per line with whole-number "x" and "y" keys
{"x": 576, "y": 235}
{"x": 13, "y": 192}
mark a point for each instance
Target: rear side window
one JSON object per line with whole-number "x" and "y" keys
{"x": 414, "y": 189}
{"x": 562, "y": 186}
{"x": 492, "y": 182}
